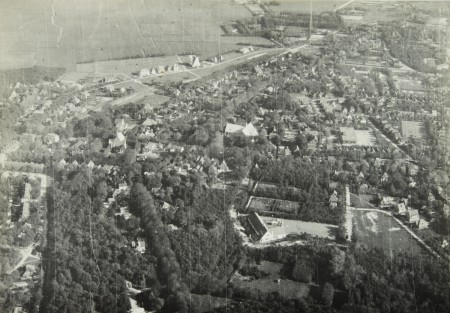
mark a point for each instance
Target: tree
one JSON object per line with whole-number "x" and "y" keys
{"x": 327, "y": 294}
{"x": 302, "y": 271}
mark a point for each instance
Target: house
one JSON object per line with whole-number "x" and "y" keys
{"x": 333, "y": 198}
{"x": 125, "y": 212}
{"x": 385, "y": 177}
{"x": 119, "y": 142}
{"x": 140, "y": 245}
{"x": 165, "y": 206}
{"x": 194, "y": 61}
{"x": 107, "y": 168}
{"x": 223, "y": 168}
{"x": 123, "y": 186}
{"x": 249, "y": 130}
{"x": 29, "y": 271}
{"x": 246, "y": 50}
{"x": 401, "y": 208}
{"x": 422, "y": 224}
{"x": 149, "y": 122}
{"x": 233, "y": 129}
{"x": 387, "y": 202}
{"x": 50, "y": 138}
{"x": 412, "y": 216}
{"x": 256, "y": 228}
{"x": 61, "y": 164}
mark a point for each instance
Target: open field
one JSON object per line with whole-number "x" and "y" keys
{"x": 288, "y": 289}
{"x": 299, "y": 227}
{"x": 364, "y": 137}
{"x": 57, "y": 33}
{"x": 377, "y": 230}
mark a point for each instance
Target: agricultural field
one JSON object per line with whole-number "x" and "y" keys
{"x": 304, "y": 6}
{"x": 61, "y": 34}
{"x": 377, "y": 230}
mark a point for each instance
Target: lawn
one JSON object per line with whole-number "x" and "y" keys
{"x": 364, "y": 137}
{"x": 299, "y": 227}
{"x": 377, "y": 230}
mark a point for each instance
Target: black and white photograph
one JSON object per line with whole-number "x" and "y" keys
{"x": 248, "y": 156}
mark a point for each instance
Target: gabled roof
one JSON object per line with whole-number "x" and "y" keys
{"x": 249, "y": 130}
{"x": 224, "y": 167}
{"x": 233, "y": 128}
{"x": 257, "y": 227}
{"x": 149, "y": 122}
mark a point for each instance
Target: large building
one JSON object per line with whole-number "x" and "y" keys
{"x": 256, "y": 228}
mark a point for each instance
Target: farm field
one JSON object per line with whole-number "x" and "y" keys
{"x": 304, "y": 6}
{"x": 55, "y": 33}
{"x": 377, "y": 230}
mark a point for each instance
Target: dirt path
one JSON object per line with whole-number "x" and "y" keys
{"x": 26, "y": 253}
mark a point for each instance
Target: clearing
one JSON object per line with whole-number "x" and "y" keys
{"x": 377, "y": 230}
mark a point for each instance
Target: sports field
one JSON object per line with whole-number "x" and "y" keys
{"x": 377, "y": 230}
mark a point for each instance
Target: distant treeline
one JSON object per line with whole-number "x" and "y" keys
{"x": 324, "y": 20}
{"x": 136, "y": 56}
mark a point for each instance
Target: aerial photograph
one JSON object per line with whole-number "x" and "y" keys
{"x": 194, "y": 156}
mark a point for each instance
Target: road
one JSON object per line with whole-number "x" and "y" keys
{"x": 26, "y": 254}
{"x": 344, "y": 5}
{"x": 408, "y": 157}
{"x": 348, "y": 215}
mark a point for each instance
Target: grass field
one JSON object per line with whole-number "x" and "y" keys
{"x": 364, "y": 137}
{"x": 299, "y": 227}
{"x": 377, "y": 230}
